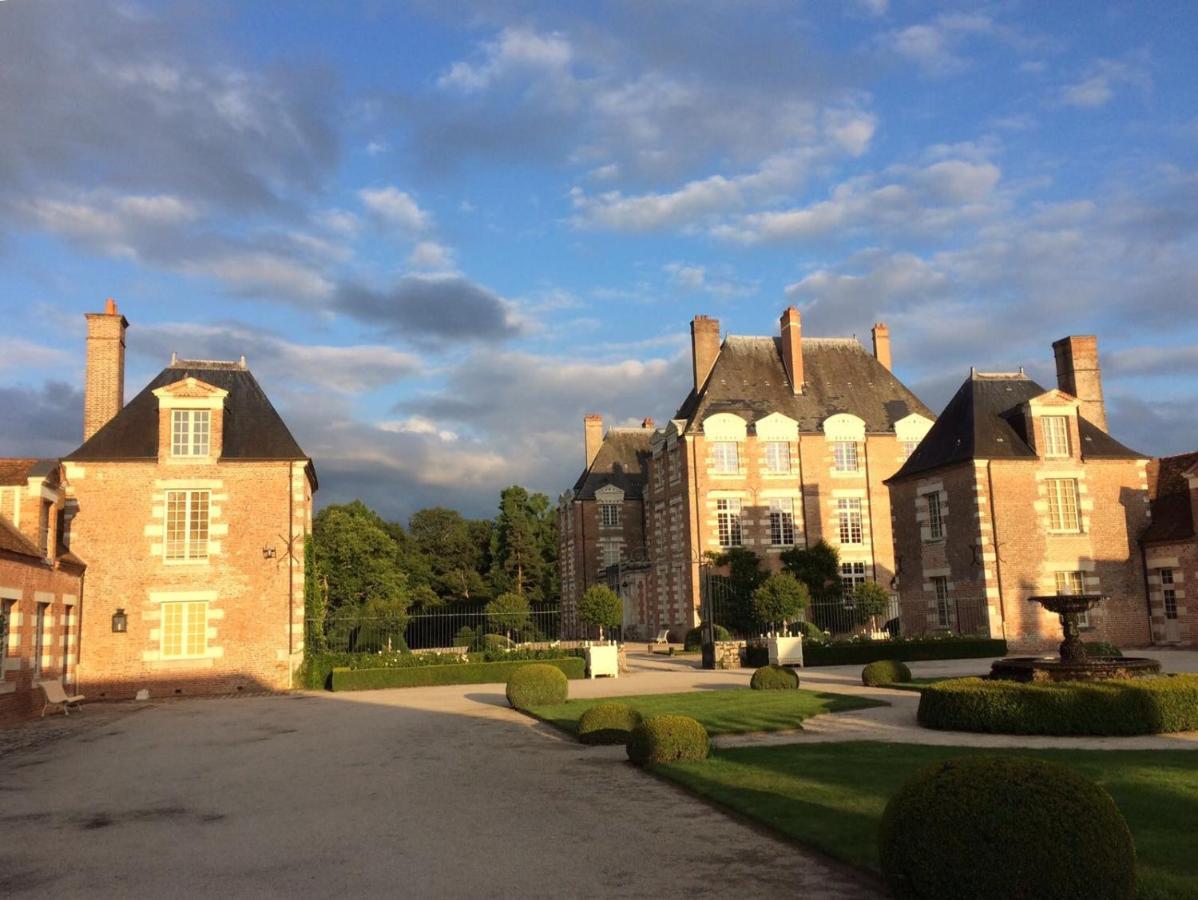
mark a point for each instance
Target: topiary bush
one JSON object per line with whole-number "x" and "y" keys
{"x": 608, "y": 723}
{"x": 812, "y": 633}
{"x": 666, "y": 739}
{"x": 484, "y": 642}
{"x": 1003, "y": 827}
{"x": 885, "y": 671}
{"x": 774, "y": 678}
{"x": 1102, "y": 648}
{"x": 694, "y": 637}
{"x": 537, "y": 684}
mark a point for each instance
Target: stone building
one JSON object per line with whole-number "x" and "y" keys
{"x": 601, "y": 523}
{"x": 190, "y": 506}
{"x": 41, "y": 585}
{"x": 782, "y": 442}
{"x": 1018, "y": 491}
{"x": 1171, "y": 549}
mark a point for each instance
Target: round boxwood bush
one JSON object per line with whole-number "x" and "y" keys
{"x": 1003, "y": 827}
{"x": 885, "y": 671}
{"x": 774, "y": 678}
{"x": 608, "y": 723}
{"x": 666, "y": 739}
{"x": 537, "y": 685}
{"x": 694, "y": 637}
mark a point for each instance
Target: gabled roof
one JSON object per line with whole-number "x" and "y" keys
{"x": 1172, "y": 507}
{"x": 12, "y": 541}
{"x": 253, "y": 429}
{"x": 19, "y": 471}
{"x": 622, "y": 460}
{"x": 749, "y": 379}
{"x": 983, "y": 421}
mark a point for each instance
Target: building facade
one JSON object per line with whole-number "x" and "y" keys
{"x": 1019, "y": 491}
{"x": 1170, "y": 546}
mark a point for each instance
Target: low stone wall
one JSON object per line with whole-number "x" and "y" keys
{"x": 729, "y": 654}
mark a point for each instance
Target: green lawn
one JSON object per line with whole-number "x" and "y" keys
{"x": 831, "y": 796}
{"x": 734, "y": 711}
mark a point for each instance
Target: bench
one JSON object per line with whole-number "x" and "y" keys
{"x": 56, "y": 696}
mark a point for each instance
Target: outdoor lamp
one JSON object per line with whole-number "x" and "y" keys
{"x": 120, "y": 622}
{"x": 268, "y": 552}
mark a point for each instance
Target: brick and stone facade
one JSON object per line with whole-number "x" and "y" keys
{"x": 1170, "y": 546}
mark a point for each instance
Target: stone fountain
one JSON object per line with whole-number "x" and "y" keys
{"x": 1074, "y": 663}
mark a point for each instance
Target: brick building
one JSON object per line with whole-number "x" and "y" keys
{"x": 782, "y": 441}
{"x": 41, "y": 585}
{"x": 601, "y": 523}
{"x": 1018, "y": 491}
{"x": 1171, "y": 549}
{"x": 190, "y": 506}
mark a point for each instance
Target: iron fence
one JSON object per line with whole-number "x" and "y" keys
{"x": 439, "y": 629}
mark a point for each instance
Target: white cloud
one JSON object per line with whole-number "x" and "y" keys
{"x": 700, "y": 279}
{"x": 338, "y": 220}
{"x": 1098, "y": 86}
{"x": 431, "y": 256}
{"x": 419, "y": 425}
{"x": 259, "y": 273}
{"x": 16, "y": 353}
{"x": 395, "y": 207}
{"x": 515, "y": 50}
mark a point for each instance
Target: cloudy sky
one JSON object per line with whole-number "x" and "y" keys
{"x": 442, "y": 232}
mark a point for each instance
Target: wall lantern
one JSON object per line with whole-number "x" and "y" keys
{"x": 120, "y": 622}
{"x": 268, "y": 552}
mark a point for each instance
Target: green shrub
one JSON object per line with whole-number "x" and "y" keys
{"x": 666, "y": 739}
{"x": 608, "y": 723}
{"x": 847, "y": 653}
{"x": 485, "y": 642}
{"x": 774, "y": 678}
{"x": 345, "y": 679}
{"x": 694, "y": 637}
{"x": 1005, "y": 827}
{"x": 537, "y": 684}
{"x": 1102, "y": 648}
{"x": 1119, "y": 707}
{"x": 812, "y": 634}
{"x": 885, "y": 671}
{"x": 527, "y": 654}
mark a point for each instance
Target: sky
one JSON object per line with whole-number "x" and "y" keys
{"x": 442, "y": 232}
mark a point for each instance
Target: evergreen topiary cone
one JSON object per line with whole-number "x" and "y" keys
{"x": 666, "y": 739}
{"x": 997, "y": 828}
{"x": 774, "y": 678}
{"x": 537, "y": 685}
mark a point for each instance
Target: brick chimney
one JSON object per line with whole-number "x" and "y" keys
{"x": 881, "y": 336}
{"x": 705, "y": 347}
{"x": 792, "y": 348}
{"x": 647, "y": 423}
{"x": 1078, "y": 374}
{"x": 104, "y": 385}
{"x": 593, "y": 429}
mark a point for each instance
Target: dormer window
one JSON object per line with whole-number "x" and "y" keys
{"x": 1056, "y": 435}
{"x": 190, "y": 431}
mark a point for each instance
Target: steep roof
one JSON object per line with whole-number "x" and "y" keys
{"x": 12, "y": 541}
{"x": 982, "y": 421}
{"x": 622, "y": 460}
{"x": 253, "y": 429}
{"x": 19, "y": 471}
{"x": 749, "y": 379}
{"x": 1172, "y": 508}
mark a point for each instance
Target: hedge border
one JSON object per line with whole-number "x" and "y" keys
{"x": 463, "y": 673}
{"x": 904, "y": 651}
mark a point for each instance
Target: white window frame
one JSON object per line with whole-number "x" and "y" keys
{"x": 188, "y": 438}
{"x": 851, "y": 575}
{"x": 41, "y": 613}
{"x": 728, "y": 524}
{"x": 1064, "y": 514}
{"x": 191, "y": 547}
{"x": 609, "y": 515}
{"x": 1056, "y": 436}
{"x": 7, "y": 606}
{"x": 189, "y": 611}
{"x": 725, "y": 457}
{"x": 777, "y": 457}
{"x": 846, "y": 456}
{"x": 1070, "y": 583}
{"x": 909, "y": 448}
{"x": 850, "y": 520}
{"x": 1169, "y": 593}
{"x": 782, "y": 522}
{"x": 944, "y": 609}
{"x": 935, "y": 516}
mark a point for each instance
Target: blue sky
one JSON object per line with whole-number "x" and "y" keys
{"x": 442, "y": 232}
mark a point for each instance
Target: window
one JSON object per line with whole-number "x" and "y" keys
{"x": 777, "y": 457}
{"x": 725, "y": 457}
{"x": 944, "y": 608}
{"x": 1169, "y": 592}
{"x": 609, "y": 514}
{"x": 909, "y": 448}
{"x": 1062, "y": 504}
{"x": 728, "y": 522}
{"x": 39, "y": 638}
{"x": 186, "y": 525}
{"x": 184, "y": 629}
{"x": 189, "y": 432}
{"x": 1070, "y": 583}
{"x": 66, "y": 639}
{"x": 43, "y": 528}
{"x": 6, "y": 608}
{"x": 935, "y": 517}
{"x": 851, "y": 575}
{"x": 1056, "y": 435}
{"x": 844, "y": 455}
{"x": 782, "y": 522}
{"x": 849, "y": 515}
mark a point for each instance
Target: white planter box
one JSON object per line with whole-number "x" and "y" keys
{"x": 603, "y": 659}
{"x": 786, "y": 651}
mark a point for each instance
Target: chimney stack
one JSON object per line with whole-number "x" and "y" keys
{"x": 593, "y": 429}
{"x": 647, "y": 423}
{"x": 705, "y": 347}
{"x": 882, "y": 344}
{"x": 1078, "y": 374}
{"x": 792, "y": 348}
{"x": 104, "y": 382}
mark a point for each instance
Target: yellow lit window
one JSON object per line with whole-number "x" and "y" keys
{"x": 190, "y": 430}
{"x": 184, "y": 629}
{"x": 1062, "y": 504}
{"x": 186, "y": 525}
{"x": 1056, "y": 435}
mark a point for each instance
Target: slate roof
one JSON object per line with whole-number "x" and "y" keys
{"x": 19, "y": 471}
{"x": 253, "y": 429}
{"x": 622, "y": 460}
{"x": 982, "y": 421}
{"x": 1172, "y": 509}
{"x": 12, "y": 541}
{"x": 840, "y": 376}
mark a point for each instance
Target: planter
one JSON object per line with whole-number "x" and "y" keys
{"x": 603, "y": 659}
{"x": 786, "y": 651}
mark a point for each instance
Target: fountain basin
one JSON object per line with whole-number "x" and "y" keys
{"x": 1092, "y": 668}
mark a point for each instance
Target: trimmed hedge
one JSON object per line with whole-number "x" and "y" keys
{"x": 667, "y": 739}
{"x": 1124, "y": 707}
{"x": 862, "y": 652}
{"x": 995, "y": 828}
{"x": 774, "y": 678}
{"x": 1102, "y": 648}
{"x": 537, "y": 684}
{"x": 344, "y": 679}
{"x": 694, "y": 637}
{"x": 885, "y": 671}
{"x": 608, "y": 723}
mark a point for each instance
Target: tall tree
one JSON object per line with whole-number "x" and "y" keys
{"x": 447, "y": 543}
{"x": 517, "y": 562}
{"x": 356, "y": 560}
